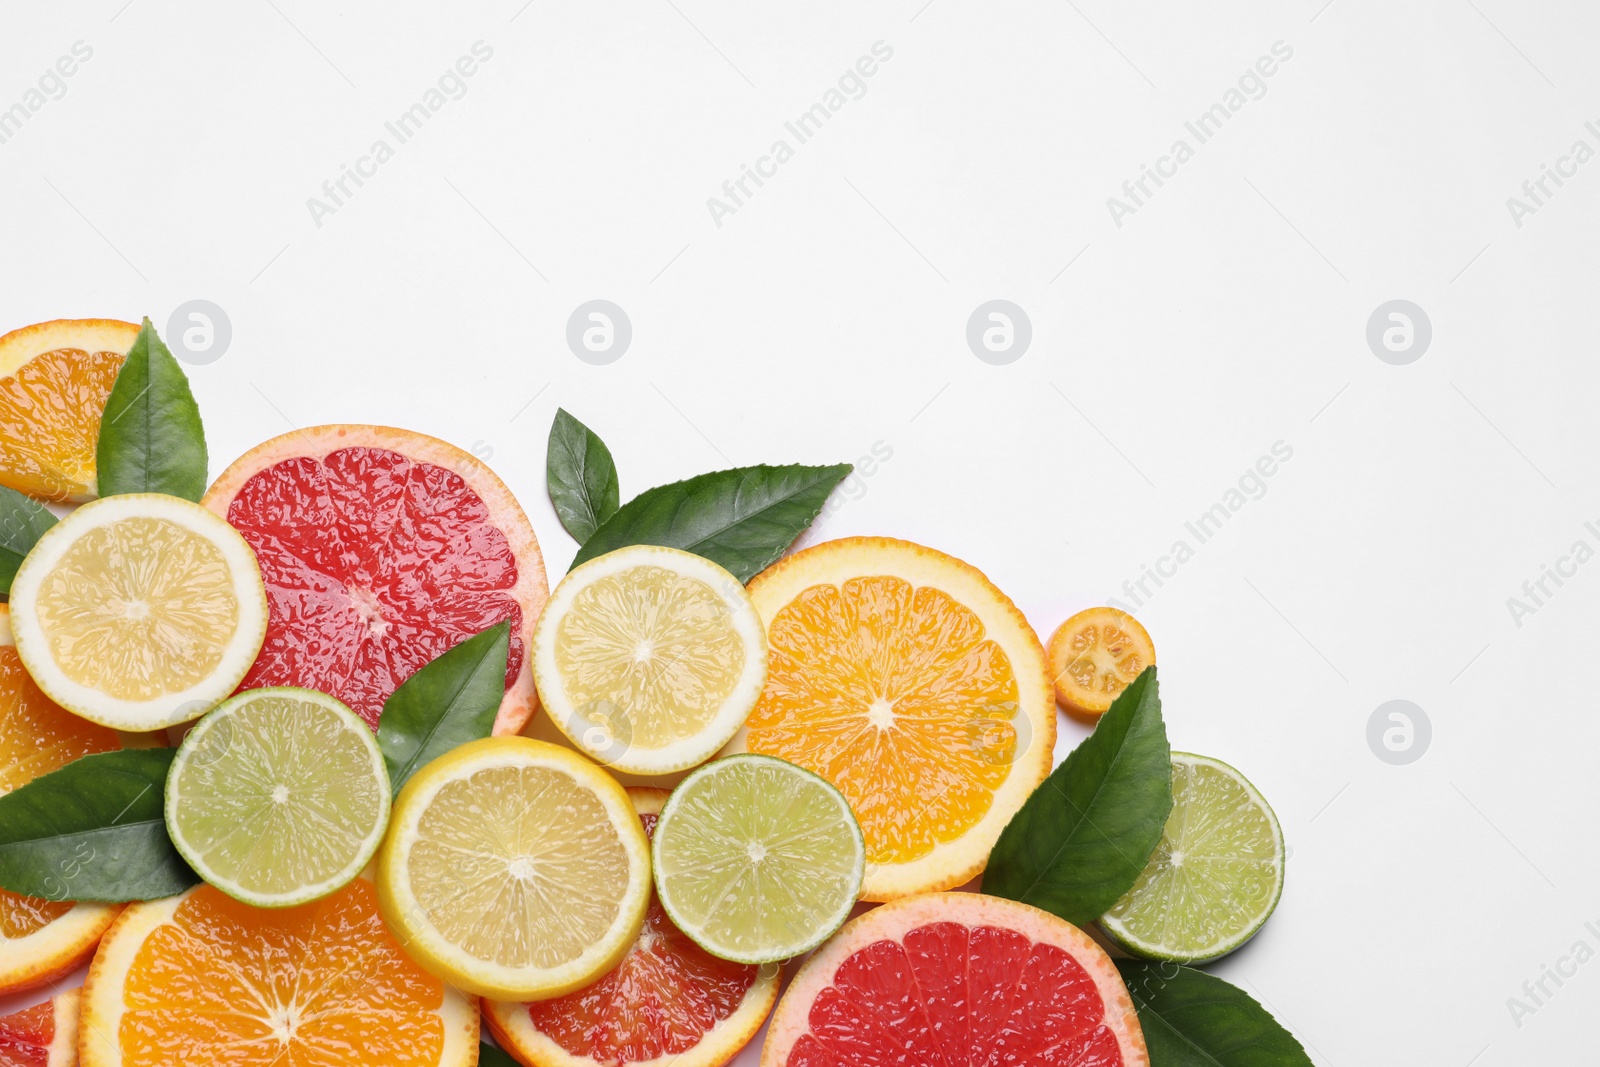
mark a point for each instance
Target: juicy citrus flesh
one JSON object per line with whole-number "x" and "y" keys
{"x": 222, "y": 982}
{"x": 138, "y": 608}
{"x": 26, "y": 1036}
{"x": 50, "y": 412}
{"x": 374, "y": 565}
{"x": 653, "y": 650}
{"x": 896, "y": 695}
{"x": 278, "y": 796}
{"x": 1095, "y": 655}
{"x": 756, "y": 859}
{"x": 1214, "y": 878}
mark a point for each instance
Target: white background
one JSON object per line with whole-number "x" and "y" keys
{"x": 828, "y": 314}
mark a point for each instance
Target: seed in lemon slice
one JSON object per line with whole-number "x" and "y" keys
{"x": 139, "y": 611}
{"x": 515, "y": 869}
{"x": 278, "y": 797}
{"x": 1216, "y": 875}
{"x": 649, "y": 658}
{"x": 757, "y": 860}
{"x": 1095, "y": 655}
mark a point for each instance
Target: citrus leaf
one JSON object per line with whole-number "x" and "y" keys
{"x": 490, "y": 1056}
{"x": 22, "y": 523}
{"x": 151, "y": 440}
{"x": 450, "y": 701}
{"x": 581, "y": 475}
{"x": 1191, "y": 1019}
{"x": 1083, "y": 837}
{"x": 93, "y": 830}
{"x": 742, "y": 518}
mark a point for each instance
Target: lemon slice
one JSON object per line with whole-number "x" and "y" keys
{"x": 514, "y": 869}
{"x": 649, "y": 659}
{"x": 139, "y": 611}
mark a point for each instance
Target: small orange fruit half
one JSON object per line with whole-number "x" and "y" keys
{"x": 1095, "y": 655}
{"x": 54, "y": 380}
{"x": 45, "y": 1035}
{"x": 905, "y": 678}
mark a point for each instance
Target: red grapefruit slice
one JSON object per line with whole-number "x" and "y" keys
{"x": 45, "y": 1035}
{"x": 667, "y": 1003}
{"x": 954, "y": 979}
{"x": 380, "y": 549}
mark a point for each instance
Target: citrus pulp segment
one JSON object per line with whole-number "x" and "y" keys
{"x": 948, "y": 978}
{"x": 905, "y": 678}
{"x": 649, "y": 658}
{"x": 667, "y": 1004}
{"x": 1095, "y": 655}
{"x": 201, "y": 978}
{"x": 1215, "y": 877}
{"x": 278, "y": 796}
{"x": 54, "y": 381}
{"x": 515, "y": 868}
{"x": 45, "y": 1035}
{"x": 138, "y": 611}
{"x": 381, "y": 549}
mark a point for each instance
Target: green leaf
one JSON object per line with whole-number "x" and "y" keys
{"x": 151, "y": 440}
{"x": 581, "y": 475}
{"x": 1084, "y": 836}
{"x": 1191, "y": 1019}
{"x": 447, "y": 703}
{"x": 93, "y": 830}
{"x": 22, "y": 523}
{"x": 490, "y": 1056}
{"x": 742, "y": 518}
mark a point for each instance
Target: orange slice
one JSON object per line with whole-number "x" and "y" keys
{"x": 45, "y": 1035}
{"x": 1094, "y": 655}
{"x": 201, "y": 978}
{"x": 54, "y": 380}
{"x": 41, "y": 940}
{"x": 906, "y": 679}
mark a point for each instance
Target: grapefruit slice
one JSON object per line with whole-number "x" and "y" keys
{"x": 380, "y": 549}
{"x": 668, "y": 1002}
{"x": 45, "y": 1035}
{"x": 950, "y": 978}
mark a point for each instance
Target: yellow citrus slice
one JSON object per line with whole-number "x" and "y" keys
{"x": 1095, "y": 655}
{"x": 200, "y": 978}
{"x": 515, "y": 869}
{"x": 649, "y": 658}
{"x": 41, "y": 940}
{"x": 139, "y": 611}
{"x": 54, "y": 380}
{"x": 905, "y": 678}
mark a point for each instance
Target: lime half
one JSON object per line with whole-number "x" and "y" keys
{"x": 278, "y": 796}
{"x": 757, "y": 860}
{"x": 1214, "y": 878}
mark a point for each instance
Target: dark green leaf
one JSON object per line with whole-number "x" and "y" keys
{"x": 447, "y": 703}
{"x": 151, "y": 440}
{"x": 581, "y": 476}
{"x": 1191, "y": 1019}
{"x": 1084, "y": 836}
{"x": 490, "y": 1056}
{"x": 93, "y": 830}
{"x": 22, "y": 522}
{"x": 742, "y": 518}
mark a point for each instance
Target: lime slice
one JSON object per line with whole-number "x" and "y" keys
{"x": 1214, "y": 878}
{"x": 757, "y": 860}
{"x": 278, "y": 796}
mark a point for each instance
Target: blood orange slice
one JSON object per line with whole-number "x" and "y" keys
{"x": 950, "y": 978}
{"x": 380, "y": 549}
{"x": 45, "y": 1035}
{"x": 667, "y": 1003}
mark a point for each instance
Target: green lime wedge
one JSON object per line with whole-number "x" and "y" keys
{"x": 756, "y": 859}
{"x": 1214, "y": 878}
{"x": 278, "y": 796}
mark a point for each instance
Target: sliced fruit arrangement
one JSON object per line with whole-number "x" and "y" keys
{"x": 649, "y": 659}
{"x": 515, "y": 869}
{"x": 54, "y": 380}
{"x": 45, "y": 1035}
{"x": 1215, "y": 877}
{"x": 278, "y": 797}
{"x": 667, "y": 1002}
{"x": 202, "y": 978}
{"x": 950, "y": 978}
{"x": 905, "y": 678}
{"x": 138, "y": 611}
{"x": 380, "y": 549}
{"x": 1095, "y": 655}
